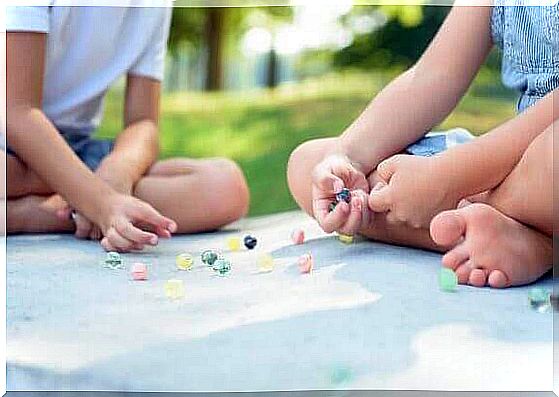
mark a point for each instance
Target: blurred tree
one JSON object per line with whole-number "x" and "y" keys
{"x": 187, "y": 27}
{"x": 276, "y": 17}
{"x": 203, "y": 27}
{"x": 216, "y": 27}
{"x": 399, "y": 42}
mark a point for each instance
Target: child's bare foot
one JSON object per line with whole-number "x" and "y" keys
{"x": 491, "y": 248}
{"x": 36, "y": 214}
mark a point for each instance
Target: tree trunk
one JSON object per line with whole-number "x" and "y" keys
{"x": 272, "y": 72}
{"x": 214, "y": 34}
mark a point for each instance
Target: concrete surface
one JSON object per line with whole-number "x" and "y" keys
{"x": 370, "y": 317}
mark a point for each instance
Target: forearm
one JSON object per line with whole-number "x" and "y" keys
{"x": 137, "y": 147}
{"x": 135, "y": 150}
{"x": 421, "y": 98}
{"x": 401, "y": 114}
{"x": 30, "y": 134}
{"x": 483, "y": 163}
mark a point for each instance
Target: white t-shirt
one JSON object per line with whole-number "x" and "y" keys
{"x": 88, "y": 48}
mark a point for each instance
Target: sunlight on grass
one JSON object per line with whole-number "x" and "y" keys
{"x": 260, "y": 128}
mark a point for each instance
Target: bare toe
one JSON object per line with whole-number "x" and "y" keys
{"x": 498, "y": 279}
{"x": 478, "y": 278}
{"x": 463, "y": 273}
{"x": 491, "y": 248}
{"x": 455, "y": 257}
{"x": 447, "y": 228}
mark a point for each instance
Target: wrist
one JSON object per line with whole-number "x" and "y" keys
{"x": 98, "y": 194}
{"x": 105, "y": 208}
{"x": 117, "y": 174}
{"x": 354, "y": 152}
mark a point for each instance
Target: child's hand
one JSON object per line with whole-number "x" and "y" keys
{"x": 329, "y": 177}
{"x": 84, "y": 227}
{"x": 125, "y": 220}
{"x": 415, "y": 190}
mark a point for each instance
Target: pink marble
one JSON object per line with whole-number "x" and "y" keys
{"x": 298, "y": 236}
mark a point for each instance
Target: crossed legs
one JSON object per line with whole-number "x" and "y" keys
{"x": 504, "y": 239}
{"x": 199, "y": 195}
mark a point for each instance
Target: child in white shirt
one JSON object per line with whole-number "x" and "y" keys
{"x": 60, "y": 63}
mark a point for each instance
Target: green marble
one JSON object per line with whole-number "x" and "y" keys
{"x": 222, "y": 266}
{"x": 209, "y": 257}
{"x": 113, "y": 260}
{"x": 341, "y": 375}
{"x": 539, "y": 299}
{"x": 447, "y": 280}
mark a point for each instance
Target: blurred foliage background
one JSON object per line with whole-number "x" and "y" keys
{"x": 252, "y": 84}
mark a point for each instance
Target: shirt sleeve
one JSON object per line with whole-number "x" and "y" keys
{"x": 152, "y": 61}
{"x": 28, "y": 18}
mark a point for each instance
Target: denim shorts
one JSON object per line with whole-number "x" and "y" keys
{"x": 437, "y": 142}
{"x": 90, "y": 150}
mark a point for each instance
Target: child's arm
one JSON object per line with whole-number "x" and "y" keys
{"x": 422, "y": 97}
{"x": 31, "y": 134}
{"x": 37, "y": 142}
{"x": 404, "y": 110}
{"x": 137, "y": 147}
{"x": 483, "y": 163}
{"x": 419, "y": 188}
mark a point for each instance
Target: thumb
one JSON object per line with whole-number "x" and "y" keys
{"x": 387, "y": 168}
{"x": 326, "y": 181}
{"x": 379, "y": 199}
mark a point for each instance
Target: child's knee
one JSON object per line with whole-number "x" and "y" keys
{"x": 301, "y": 163}
{"x": 296, "y": 158}
{"x": 233, "y": 180}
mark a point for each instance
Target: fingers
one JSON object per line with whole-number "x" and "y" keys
{"x": 358, "y": 215}
{"x": 111, "y": 246}
{"x": 330, "y": 222}
{"x": 129, "y": 231}
{"x": 379, "y": 199}
{"x": 351, "y": 177}
{"x": 387, "y": 168}
{"x": 336, "y": 172}
{"x": 83, "y": 226}
{"x": 375, "y": 178}
{"x": 163, "y": 226}
{"x": 113, "y": 241}
{"x": 353, "y": 223}
{"x": 95, "y": 233}
{"x": 326, "y": 182}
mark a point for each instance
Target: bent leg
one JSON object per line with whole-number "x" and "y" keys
{"x": 299, "y": 171}
{"x": 199, "y": 195}
{"x": 526, "y": 193}
{"x": 31, "y": 206}
{"x": 20, "y": 180}
{"x": 491, "y": 242}
{"x": 36, "y": 214}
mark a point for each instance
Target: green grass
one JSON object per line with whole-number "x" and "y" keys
{"x": 259, "y": 128}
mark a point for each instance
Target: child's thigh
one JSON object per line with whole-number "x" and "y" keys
{"x": 198, "y": 194}
{"x": 22, "y": 181}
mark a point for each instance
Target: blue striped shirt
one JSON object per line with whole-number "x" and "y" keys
{"x": 529, "y": 39}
